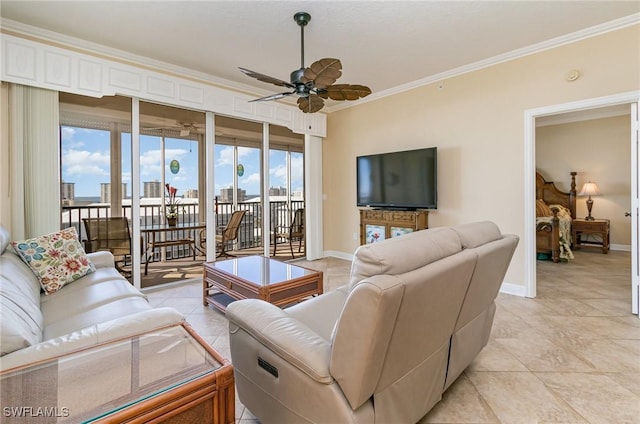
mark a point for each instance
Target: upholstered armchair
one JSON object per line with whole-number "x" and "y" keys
{"x": 378, "y": 349}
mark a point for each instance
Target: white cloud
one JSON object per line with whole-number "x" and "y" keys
{"x": 245, "y": 151}
{"x": 278, "y": 175}
{"x": 150, "y": 164}
{"x": 226, "y": 157}
{"x": 68, "y": 133}
{"x": 83, "y": 162}
{"x": 297, "y": 166}
{"x": 170, "y": 154}
{"x": 250, "y": 179}
{"x": 151, "y": 161}
{"x": 77, "y": 138}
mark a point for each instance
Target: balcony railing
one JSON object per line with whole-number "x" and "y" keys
{"x": 250, "y": 235}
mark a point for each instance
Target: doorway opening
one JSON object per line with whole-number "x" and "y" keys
{"x": 626, "y": 100}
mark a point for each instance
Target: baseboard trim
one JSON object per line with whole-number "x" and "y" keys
{"x": 513, "y": 289}
{"x": 337, "y": 254}
{"x": 620, "y": 247}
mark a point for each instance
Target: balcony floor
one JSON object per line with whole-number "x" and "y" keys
{"x": 186, "y": 268}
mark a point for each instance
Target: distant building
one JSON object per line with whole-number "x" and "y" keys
{"x": 277, "y": 191}
{"x": 67, "y": 192}
{"x": 226, "y": 195}
{"x": 192, "y": 193}
{"x": 105, "y": 192}
{"x": 153, "y": 189}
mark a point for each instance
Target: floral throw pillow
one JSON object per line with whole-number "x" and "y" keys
{"x": 56, "y": 259}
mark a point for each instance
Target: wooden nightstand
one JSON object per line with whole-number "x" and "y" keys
{"x": 597, "y": 226}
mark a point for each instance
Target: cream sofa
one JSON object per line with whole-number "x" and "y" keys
{"x": 98, "y": 307}
{"x": 417, "y": 310}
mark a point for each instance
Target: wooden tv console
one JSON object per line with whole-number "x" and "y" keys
{"x": 380, "y": 224}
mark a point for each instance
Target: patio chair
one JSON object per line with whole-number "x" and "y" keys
{"x": 295, "y": 231}
{"x": 111, "y": 234}
{"x": 225, "y": 234}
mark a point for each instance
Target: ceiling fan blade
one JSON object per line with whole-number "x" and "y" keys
{"x": 310, "y": 104}
{"x": 323, "y": 72}
{"x": 344, "y": 92}
{"x": 273, "y": 97}
{"x": 266, "y": 78}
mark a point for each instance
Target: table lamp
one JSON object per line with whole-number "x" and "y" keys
{"x": 589, "y": 189}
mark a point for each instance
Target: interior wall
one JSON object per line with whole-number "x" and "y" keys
{"x": 598, "y": 150}
{"x": 477, "y": 122}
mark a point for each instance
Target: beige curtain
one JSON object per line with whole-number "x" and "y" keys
{"x": 5, "y": 214}
{"x": 30, "y": 174}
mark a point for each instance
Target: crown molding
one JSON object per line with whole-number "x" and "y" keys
{"x": 44, "y": 36}
{"x": 63, "y": 41}
{"x": 593, "y": 31}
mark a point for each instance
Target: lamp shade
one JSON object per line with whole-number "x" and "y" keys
{"x": 589, "y": 189}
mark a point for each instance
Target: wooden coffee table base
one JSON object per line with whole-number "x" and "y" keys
{"x": 210, "y": 399}
{"x": 119, "y": 381}
{"x": 221, "y": 287}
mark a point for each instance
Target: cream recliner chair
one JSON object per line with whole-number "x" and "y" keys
{"x": 376, "y": 350}
{"x": 473, "y": 326}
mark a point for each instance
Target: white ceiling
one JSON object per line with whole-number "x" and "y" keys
{"x": 386, "y": 45}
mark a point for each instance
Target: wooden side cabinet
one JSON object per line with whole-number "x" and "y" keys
{"x": 378, "y": 225}
{"x": 582, "y": 227}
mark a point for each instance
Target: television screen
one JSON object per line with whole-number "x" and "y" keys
{"x": 403, "y": 180}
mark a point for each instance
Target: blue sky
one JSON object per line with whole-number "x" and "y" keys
{"x": 86, "y": 162}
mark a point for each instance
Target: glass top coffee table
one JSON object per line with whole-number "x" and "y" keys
{"x": 258, "y": 277}
{"x": 168, "y": 375}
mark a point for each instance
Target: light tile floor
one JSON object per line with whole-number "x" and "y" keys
{"x": 572, "y": 355}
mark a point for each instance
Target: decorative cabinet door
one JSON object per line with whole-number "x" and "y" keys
{"x": 374, "y": 233}
{"x": 399, "y": 231}
{"x": 378, "y": 225}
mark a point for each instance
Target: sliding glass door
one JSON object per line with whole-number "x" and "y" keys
{"x": 239, "y": 180}
{"x": 171, "y": 193}
{"x": 94, "y": 156}
{"x": 97, "y": 167}
{"x": 96, "y": 174}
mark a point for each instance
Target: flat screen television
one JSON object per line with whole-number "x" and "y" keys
{"x": 398, "y": 180}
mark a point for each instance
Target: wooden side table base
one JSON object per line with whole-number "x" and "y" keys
{"x": 600, "y": 227}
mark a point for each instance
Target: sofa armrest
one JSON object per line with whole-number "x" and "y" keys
{"x": 102, "y": 259}
{"x": 321, "y": 313}
{"x": 284, "y": 335}
{"x": 87, "y": 337}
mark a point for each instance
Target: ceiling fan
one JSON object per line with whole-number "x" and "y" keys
{"x": 185, "y": 128}
{"x": 312, "y": 84}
